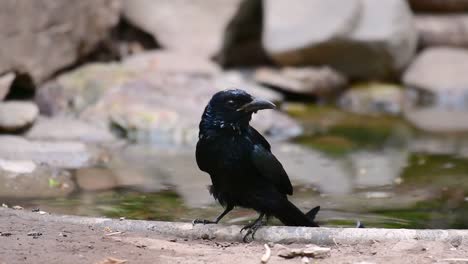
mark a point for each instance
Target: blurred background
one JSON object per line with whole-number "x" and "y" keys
{"x": 100, "y": 103}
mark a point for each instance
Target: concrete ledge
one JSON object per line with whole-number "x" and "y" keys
{"x": 277, "y": 234}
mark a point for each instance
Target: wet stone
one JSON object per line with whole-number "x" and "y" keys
{"x": 437, "y": 94}
{"x": 62, "y": 154}
{"x": 95, "y": 179}
{"x": 373, "y": 98}
{"x": 27, "y": 179}
{"x": 17, "y": 166}
{"x": 15, "y": 115}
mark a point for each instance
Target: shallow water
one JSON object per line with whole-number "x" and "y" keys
{"x": 378, "y": 170}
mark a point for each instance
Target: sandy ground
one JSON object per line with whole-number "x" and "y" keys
{"x": 25, "y": 240}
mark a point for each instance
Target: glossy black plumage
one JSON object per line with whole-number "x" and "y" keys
{"x": 239, "y": 161}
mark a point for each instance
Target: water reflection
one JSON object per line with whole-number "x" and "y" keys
{"x": 376, "y": 169}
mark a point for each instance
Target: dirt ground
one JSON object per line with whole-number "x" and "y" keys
{"x": 24, "y": 240}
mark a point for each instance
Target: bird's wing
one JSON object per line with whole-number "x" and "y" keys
{"x": 202, "y": 158}
{"x": 269, "y": 167}
{"x": 258, "y": 138}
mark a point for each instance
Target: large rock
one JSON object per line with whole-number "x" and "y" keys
{"x": 341, "y": 34}
{"x": 68, "y": 129}
{"x": 442, "y": 30}
{"x": 439, "y": 70}
{"x": 17, "y": 115}
{"x": 77, "y": 89}
{"x": 148, "y": 113}
{"x": 439, "y": 5}
{"x": 5, "y": 82}
{"x": 292, "y": 27}
{"x": 239, "y": 79}
{"x": 63, "y": 154}
{"x": 170, "y": 62}
{"x": 51, "y": 34}
{"x": 84, "y": 86}
{"x": 25, "y": 179}
{"x": 311, "y": 81}
{"x": 183, "y": 25}
{"x": 438, "y": 90}
{"x": 151, "y": 101}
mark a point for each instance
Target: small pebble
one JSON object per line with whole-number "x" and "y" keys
{"x": 34, "y": 234}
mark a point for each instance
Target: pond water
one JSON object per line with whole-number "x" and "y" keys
{"x": 376, "y": 169}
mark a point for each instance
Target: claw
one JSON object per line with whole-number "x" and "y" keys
{"x": 248, "y": 226}
{"x": 251, "y": 231}
{"x": 252, "y": 228}
{"x": 246, "y": 235}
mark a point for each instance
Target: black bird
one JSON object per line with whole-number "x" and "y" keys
{"x": 243, "y": 170}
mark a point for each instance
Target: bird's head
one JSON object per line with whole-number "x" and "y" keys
{"x": 233, "y": 109}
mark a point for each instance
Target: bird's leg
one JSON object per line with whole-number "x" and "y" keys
{"x": 260, "y": 218}
{"x": 253, "y": 227}
{"x": 204, "y": 221}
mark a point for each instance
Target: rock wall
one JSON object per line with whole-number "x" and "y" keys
{"x": 43, "y": 36}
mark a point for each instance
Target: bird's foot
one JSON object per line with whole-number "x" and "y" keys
{"x": 203, "y": 221}
{"x": 251, "y": 230}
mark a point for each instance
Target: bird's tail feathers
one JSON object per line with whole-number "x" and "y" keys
{"x": 290, "y": 215}
{"x": 312, "y": 213}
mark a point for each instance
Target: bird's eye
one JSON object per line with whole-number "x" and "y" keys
{"x": 230, "y": 103}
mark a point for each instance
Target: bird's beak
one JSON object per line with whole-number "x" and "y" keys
{"x": 257, "y": 104}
